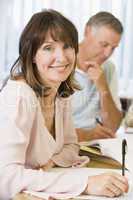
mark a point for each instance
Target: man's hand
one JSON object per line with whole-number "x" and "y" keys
{"x": 99, "y": 132}
{"x": 97, "y": 75}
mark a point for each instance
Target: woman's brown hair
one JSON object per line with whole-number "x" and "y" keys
{"x": 32, "y": 37}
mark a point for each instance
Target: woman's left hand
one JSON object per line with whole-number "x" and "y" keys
{"x": 81, "y": 162}
{"x": 50, "y": 164}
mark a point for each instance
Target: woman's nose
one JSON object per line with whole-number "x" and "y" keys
{"x": 60, "y": 55}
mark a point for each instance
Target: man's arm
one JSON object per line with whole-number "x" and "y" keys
{"x": 99, "y": 132}
{"x": 110, "y": 103}
{"x": 111, "y": 116}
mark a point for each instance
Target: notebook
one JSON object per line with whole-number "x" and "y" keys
{"x": 105, "y": 153}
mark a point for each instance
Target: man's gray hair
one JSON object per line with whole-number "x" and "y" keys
{"x": 105, "y": 19}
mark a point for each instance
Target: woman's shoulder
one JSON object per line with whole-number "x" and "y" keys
{"x": 18, "y": 88}
{"x": 19, "y": 84}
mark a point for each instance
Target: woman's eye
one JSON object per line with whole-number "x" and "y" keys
{"x": 47, "y": 48}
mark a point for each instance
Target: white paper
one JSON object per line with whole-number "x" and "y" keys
{"x": 112, "y": 148}
{"x": 124, "y": 197}
{"x": 129, "y": 130}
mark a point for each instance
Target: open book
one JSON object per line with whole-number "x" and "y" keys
{"x": 105, "y": 153}
{"x": 129, "y": 130}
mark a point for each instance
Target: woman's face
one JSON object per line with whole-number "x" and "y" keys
{"x": 55, "y": 61}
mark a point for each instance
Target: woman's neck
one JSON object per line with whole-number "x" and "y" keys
{"x": 50, "y": 97}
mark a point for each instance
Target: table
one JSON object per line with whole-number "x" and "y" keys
{"x": 25, "y": 197}
{"x": 129, "y": 159}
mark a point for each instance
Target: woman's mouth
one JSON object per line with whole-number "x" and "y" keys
{"x": 59, "y": 66}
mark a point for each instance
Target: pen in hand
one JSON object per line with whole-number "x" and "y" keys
{"x": 104, "y": 132}
{"x": 124, "y": 148}
{"x": 98, "y": 121}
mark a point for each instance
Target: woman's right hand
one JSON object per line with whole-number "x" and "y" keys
{"x": 107, "y": 184}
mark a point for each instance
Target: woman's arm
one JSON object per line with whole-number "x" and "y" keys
{"x": 17, "y": 117}
{"x": 69, "y": 154}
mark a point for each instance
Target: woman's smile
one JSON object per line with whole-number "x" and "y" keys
{"x": 59, "y": 67}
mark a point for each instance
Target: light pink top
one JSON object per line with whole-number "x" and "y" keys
{"x": 26, "y": 144}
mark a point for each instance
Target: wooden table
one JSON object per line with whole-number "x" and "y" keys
{"x": 23, "y": 196}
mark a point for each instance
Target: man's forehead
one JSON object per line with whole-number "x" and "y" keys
{"x": 103, "y": 30}
{"x": 106, "y": 34}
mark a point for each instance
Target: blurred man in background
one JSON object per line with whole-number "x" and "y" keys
{"x": 96, "y": 107}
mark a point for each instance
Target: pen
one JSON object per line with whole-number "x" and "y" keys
{"x": 124, "y": 147}
{"x": 98, "y": 121}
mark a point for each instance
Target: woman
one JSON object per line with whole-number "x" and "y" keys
{"x": 36, "y": 119}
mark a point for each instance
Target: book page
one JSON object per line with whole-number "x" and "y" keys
{"x": 129, "y": 130}
{"x": 109, "y": 147}
{"x": 128, "y": 196}
{"x": 112, "y": 148}
{"x": 109, "y": 155}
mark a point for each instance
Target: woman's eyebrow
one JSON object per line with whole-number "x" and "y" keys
{"x": 48, "y": 42}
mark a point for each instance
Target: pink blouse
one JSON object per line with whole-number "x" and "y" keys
{"x": 26, "y": 144}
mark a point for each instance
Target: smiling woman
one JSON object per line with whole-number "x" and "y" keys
{"x": 48, "y": 47}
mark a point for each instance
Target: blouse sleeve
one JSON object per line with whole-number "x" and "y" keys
{"x": 69, "y": 154}
{"x": 17, "y": 113}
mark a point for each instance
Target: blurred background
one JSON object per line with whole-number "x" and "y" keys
{"x": 14, "y": 14}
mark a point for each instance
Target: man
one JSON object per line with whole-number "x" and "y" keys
{"x": 96, "y": 107}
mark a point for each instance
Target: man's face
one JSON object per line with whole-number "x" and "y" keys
{"x": 99, "y": 43}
